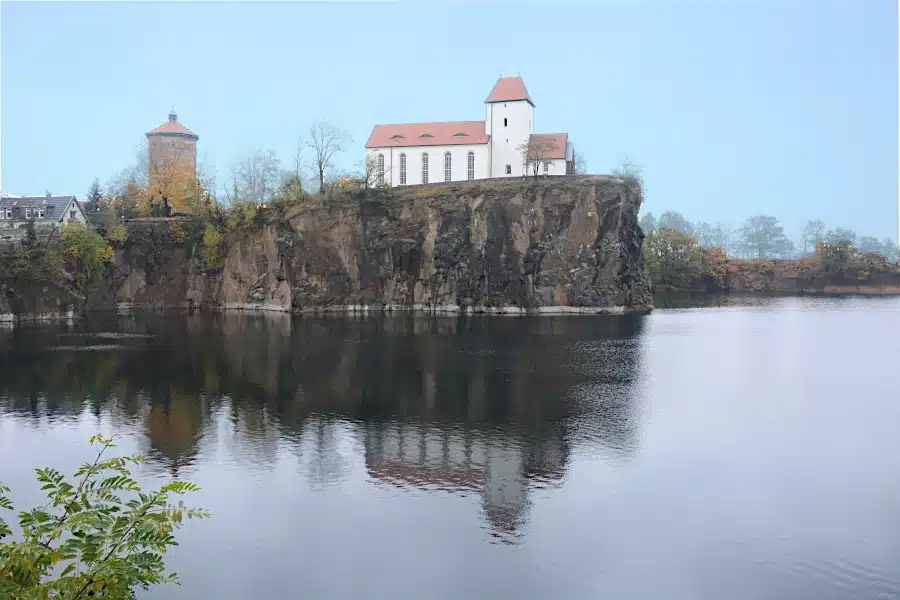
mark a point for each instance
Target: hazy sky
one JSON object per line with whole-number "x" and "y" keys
{"x": 733, "y": 108}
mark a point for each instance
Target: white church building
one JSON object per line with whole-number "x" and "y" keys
{"x": 503, "y": 145}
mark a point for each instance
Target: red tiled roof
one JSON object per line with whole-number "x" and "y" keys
{"x": 509, "y": 89}
{"x": 451, "y": 133}
{"x": 555, "y": 144}
{"x": 172, "y": 126}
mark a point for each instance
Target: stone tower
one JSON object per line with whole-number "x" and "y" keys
{"x": 172, "y": 146}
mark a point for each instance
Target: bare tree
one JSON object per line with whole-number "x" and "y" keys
{"x": 813, "y": 231}
{"x": 580, "y": 164}
{"x": 631, "y": 173}
{"x": 536, "y": 152}
{"x": 255, "y": 179}
{"x": 371, "y": 176}
{"x": 324, "y": 141}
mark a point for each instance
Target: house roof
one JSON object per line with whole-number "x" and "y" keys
{"x": 509, "y": 89}
{"x": 450, "y": 133}
{"x": 173, "y": 127}
{"x": 55, "y": 204}
{"x": 552, "y": 144}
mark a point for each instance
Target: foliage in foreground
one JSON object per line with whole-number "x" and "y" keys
{"x": 99, "y": 536}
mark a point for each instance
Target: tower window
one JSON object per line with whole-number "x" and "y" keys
{"x": 509, "y": 169}
{"x": 402, "y": 169}
{"x": 447, "y": 170}
{"x": 471, "y": 166}
{"x": 380, "y": 170}
{"x": 424, "y": 167}
{"x": 504, "y": 121}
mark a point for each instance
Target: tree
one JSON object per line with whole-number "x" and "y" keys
{"x": 763, "y": 237}
{"x": 890, "y": 249}
{"x": 868, "y": 243}
{"x": 324, "y": 141}
{"x": 86, "y": 253}
{"x": 537, "y": 151}
{"x": 581, "y": 165}
{"x": 631, "y": 173}
{"x": 94, "y": 196}
{"x": 674, "y": 220}
{"x": 672, "y": 258}
{"x": 648, "y": 223}
{"x": 813, "y": 231}
{"x": 840, "y": 234}
{"x": 256, "y": 179}
{"x": 98, "y": 535}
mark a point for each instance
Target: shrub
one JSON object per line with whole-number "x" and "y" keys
{"x": 213, "y": 251}
{"x": 99, "y": 535}
{"x": 86, "y": 253}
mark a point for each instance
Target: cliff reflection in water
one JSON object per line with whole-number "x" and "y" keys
{"x": 487, "y": 406}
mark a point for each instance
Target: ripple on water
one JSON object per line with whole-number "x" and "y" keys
{"x": 86, "y": 348}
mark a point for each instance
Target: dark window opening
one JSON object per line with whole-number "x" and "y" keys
{"x": 509, "y": 169}
{"x": 504, "y": 121}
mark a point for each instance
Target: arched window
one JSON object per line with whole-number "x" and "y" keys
{"x": 380, "y": 170}
{"x": 471, "y": 166}
{"x": 402, "y": 169}
{"x": 509, "y": 169}
{"x": 447, "y": 164}
{"x": 424, "y": 167}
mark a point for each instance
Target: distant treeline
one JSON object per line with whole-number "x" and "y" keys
{"x": 763, "y": 237}
{"x": 682, "y": 255}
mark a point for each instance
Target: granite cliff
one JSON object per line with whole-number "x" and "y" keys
{"x": 556, "y": 245}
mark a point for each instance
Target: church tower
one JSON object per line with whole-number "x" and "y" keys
{"x": 172, "y": 146}
{"x": 510, "y": 123}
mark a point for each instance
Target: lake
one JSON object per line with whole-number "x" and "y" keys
{"x": 747, "y": 449}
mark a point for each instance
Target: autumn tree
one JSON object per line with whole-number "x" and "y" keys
{"x": 813, "y": 231}
{"x": 324, "y": 141}
{"x": 763, "y": 237}
{"x": 172, "y": 182}
{"x": 537, "y": 151}
{"x": 672, "y": 258}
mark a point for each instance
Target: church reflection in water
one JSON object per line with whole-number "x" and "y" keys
{"x": 479, "y": 407}
{"x": 498, "y": 468}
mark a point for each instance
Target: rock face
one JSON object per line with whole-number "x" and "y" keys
{"x": 556, "y": 245}
{"x": 508, "y": 246}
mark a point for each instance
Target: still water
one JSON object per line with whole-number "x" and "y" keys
{"x": 747, "y": 449}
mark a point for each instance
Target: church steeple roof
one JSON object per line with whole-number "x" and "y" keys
{"x": 173, "y": 127}
{"x": 509, "y": 89}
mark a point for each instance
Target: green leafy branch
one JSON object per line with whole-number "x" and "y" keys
{"x": 103, "y": 537}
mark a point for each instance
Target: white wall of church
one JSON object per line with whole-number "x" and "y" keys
{"x": 510, "y": 124}
{"x": 459, "y": 170}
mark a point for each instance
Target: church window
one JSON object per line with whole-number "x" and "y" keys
{"x": 380, "y": 170}
{"x": 402, "y": 169}
{"x": 509, "y": 169}
{"x": 471, "y": 166}
{"x": 424, "y": 167}
{"x": 504, "y": 121}
{"x": 447, "y": 164}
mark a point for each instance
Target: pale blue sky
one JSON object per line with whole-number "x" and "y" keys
{"x": 733, "y": 108}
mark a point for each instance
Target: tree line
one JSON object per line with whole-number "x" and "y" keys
{"x": 763, "y": 237}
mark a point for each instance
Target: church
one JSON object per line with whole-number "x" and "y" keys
{"x": 503, "y": 145}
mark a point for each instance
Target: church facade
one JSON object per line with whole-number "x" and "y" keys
{"x": 503, "y": 145}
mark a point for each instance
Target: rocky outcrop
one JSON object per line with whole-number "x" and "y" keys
{"x": 555, "y": 245}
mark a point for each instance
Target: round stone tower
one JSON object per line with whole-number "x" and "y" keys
{"x": 171, "y": 146}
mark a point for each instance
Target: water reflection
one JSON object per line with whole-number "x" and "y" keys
{"x": 477, "y": 407}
